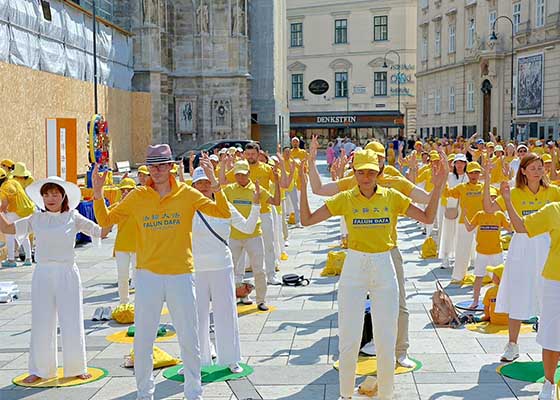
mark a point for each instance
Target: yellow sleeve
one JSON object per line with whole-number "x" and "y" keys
{"x": 337, "y": 204}
{"x": 265, "y": 195}
{"x": 543, "y": 220}
{"x": 219, "y": 208}
{"x": 453, "y": 192}
{"x": 404, "y": 186}
{"x": 476, "y": 219}
{"x": 230, "y": 176}
{"x": 505, "y": 222}
{"x": 8, "y": 190}
{"x": 501, "y": 203}
{"x": 400, "y": 202}
{"x": 106, "y": 218}
{"x": 346, "y": 183}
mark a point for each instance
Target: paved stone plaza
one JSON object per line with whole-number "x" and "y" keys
{"x": 293, "y": 348}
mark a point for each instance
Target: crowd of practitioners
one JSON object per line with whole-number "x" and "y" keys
{"x": 190, "y": 241}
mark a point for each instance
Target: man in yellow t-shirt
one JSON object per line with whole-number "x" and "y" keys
{"x": 240, "y": 194}
{"x": 15, "y": 204}
{"x": 163, "y": 212}
{"x": 469, "y": 195}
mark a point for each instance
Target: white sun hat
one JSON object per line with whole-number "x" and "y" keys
{"x": 71, "y": 190}
{"x": 199, "y": 175}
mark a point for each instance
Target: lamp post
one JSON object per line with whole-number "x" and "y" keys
{"x": 94, "y": 57}
{"x": 493, "y": 36}
{"x": 398, "y": 78}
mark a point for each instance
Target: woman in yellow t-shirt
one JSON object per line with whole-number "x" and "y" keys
{"x": 521, "y": 283}
{"x": 544, "y": 221}
{"x": 371, "y": 212}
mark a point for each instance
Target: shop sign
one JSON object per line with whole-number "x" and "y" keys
{"x": 319, "y": 86}
{"x": 402, "y": 78}
{"x": 359, "y": 90}
{"x": 337, "y": 119}
{"x": 407, "y": 67}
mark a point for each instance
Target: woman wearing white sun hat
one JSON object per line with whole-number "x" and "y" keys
{"x": 214, "y": 275}
{"x": 56, "y": 287}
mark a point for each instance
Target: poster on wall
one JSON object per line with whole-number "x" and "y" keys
{"x": 186, "y": 115}
{"x": 530, "y": 96}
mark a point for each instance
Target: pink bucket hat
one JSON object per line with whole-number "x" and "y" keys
{"x": 159, "y": 154}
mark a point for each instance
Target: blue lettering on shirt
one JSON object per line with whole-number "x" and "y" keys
{"x": 243, "y": 202}
{"x": 473, "y": 194}
{"x": 489, "y": 228}
{"x": 371, "y": 221}
{"x": 528, "y": 212}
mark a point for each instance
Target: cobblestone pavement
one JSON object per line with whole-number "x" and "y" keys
{"x": 293, "y": 348}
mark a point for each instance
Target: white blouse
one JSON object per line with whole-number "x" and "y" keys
{"x": 209, "y": 253}
{"x": 55, "y": 234}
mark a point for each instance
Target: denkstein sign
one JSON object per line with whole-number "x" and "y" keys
{"x": 337, "y": 119}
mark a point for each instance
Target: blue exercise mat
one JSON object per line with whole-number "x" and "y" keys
{"x": 464, "y": 305}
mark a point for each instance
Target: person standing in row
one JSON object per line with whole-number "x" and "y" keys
{"x": 521, "y": 284}
{"x": 163, "y": 211}
{"x": 543, "y": 222}
{"x": 56, "y": 286}
{"x": 371, "y": 213}
{"x": 214, "y": 275}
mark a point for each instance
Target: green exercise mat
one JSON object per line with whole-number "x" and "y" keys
{"x": 213, "y": 373}
{"x": 526, "y": 371}
{"x": 131, "y": 331}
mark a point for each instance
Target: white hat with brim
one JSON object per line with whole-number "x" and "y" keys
{"x": 199, "y": 175}
{"x": 460, "y": 157}
{"x": 72, "y": 191}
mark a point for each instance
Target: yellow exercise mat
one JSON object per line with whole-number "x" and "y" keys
{"x": 60, "y": 380}
{"x": 122, "y": 337}
{"x": 247, "y": 309}
{"x": 468, "y": 280}
{"x": 492, "y": 329}
{"x": 368, "y": 366}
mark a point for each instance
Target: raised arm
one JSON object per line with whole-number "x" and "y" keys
{"x": 317, "y": 186}
{"x": 489, "y": 205}
{"x": 515, "y": 219}
{"x": 105, "y": 217}
{"x": 307, "y": 217}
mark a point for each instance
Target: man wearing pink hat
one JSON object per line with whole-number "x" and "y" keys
{"x": 163, "y": 211}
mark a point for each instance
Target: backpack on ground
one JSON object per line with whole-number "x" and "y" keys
{"x": 443, "y": 311}
{"x": 294, "y": 280}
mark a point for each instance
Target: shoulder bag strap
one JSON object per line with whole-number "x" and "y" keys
{"x": 221, "y": 239}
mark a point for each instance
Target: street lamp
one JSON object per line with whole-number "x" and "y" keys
{"x": 493, "y": 36}
{"x": 398, "y": 77}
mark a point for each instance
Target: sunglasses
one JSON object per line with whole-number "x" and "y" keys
{"x": 158, "y": 167}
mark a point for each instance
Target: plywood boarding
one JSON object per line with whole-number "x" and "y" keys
{"x": 29, "y": 97}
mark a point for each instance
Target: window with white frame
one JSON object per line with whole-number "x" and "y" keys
{"x": 341, "y": 31}
{"x": 452, "y": 45}
{"x": 540, "y": 13}
{"x": 341, "y": 84}
{"x": 516, "y": 17}
{"x": 471, "y": 33}
{"x": 425, "y": 45}
{"x": 296, "y": 34}
{"x": 297, "y": 86}
{"x": 425, "y": 103}
{"x": 492, "y": 15}
{"x": 451, "y": 99}
{"x": 470, "y": 96}
{"x": 437, "y": 39}
{"x": 437, "y": 101}
{"x": 380, "y": 83}
{"x": 380, "y": 28}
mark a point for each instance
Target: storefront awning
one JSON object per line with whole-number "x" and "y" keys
{"x": 354, "y": 125}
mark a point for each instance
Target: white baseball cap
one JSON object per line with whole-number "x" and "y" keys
{"x": 460, "y": 157}
{"x": 214, "y": 157}
{"x": 199, "y": 175}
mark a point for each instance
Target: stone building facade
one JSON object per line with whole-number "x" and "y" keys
{"x": 193, "y": 57}
{"x": 464, "y": 74}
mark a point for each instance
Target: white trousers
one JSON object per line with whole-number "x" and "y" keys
{"x": 11, "y": 241}
{"x": 447, "y": 237}
{"x": 270, "y": 257}
{"x": 179, "y": 293}
{"x": 255, "y": 251}
{"x": 57, "y": 290}
{"x": 125, "y": 262}
{"x": 363, "y": 272}
{"x": 217, "y": 287}
{"x": 278, "y": 235}
{"x": 293, "y": 196}
{"x": 463, "y": 252}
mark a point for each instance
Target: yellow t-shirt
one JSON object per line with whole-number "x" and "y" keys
{"x": 526, "y": 202}
{"x": 538, "y": 150}
{"x": 497, "y": 175}
{"x": 242, "y": 199}
{"x": 426, "y": 178}
{"x": 370, "y": 222}
{"x": 546, "y": 220}
{"x": 126, "y": 234}
{"x": 490, "y": 302}
{"x": 392, "y": 171}
{"x": 295, "y": 178}
{"x": 24, "y": 182}
{"x": 488, "y": 232}
{"x": 259, "y": 171}
{"x": 400, "y": 184}
{"x": 299, "y": 154}
{"x": 470, "y": 198}
{"x": 18, "y": 201}
{"x": 163, "y": 224}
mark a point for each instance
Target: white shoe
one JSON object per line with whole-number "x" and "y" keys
{"x": 406, "y": 362}
{"x": 213, "y": 353}
{"x": 97, "y": 314}
{"x": 107, "y": 314}
{"x": 445, "y": 264}
{"x": 246, "y": 300}
{"x": 299, "y": 226}
{"x": 511, "y": 352}
{"x": 547, "y": 391}
{"x": 369, "y": 349}
{"x": 286, "y": 244}
{"x": 274, "y": 281}
{"x": 235, "y": 368}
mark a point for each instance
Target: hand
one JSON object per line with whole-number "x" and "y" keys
{"x": 441, "y": 171}
{"x": 302, "y": 176}
{"x": 487, "y": 169}
{"x": 505, "y": 191}
{"x": 192, "y": 156}
{"x": 257, "y": 194}
{"x": 474, "y": 135}
{"x": 293, "y": 166}
{"x": 208, "y": 168}
{"x": 97, "y": 182}
{"x": 279, "y": 153}
{"x": 313, "y": 147}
